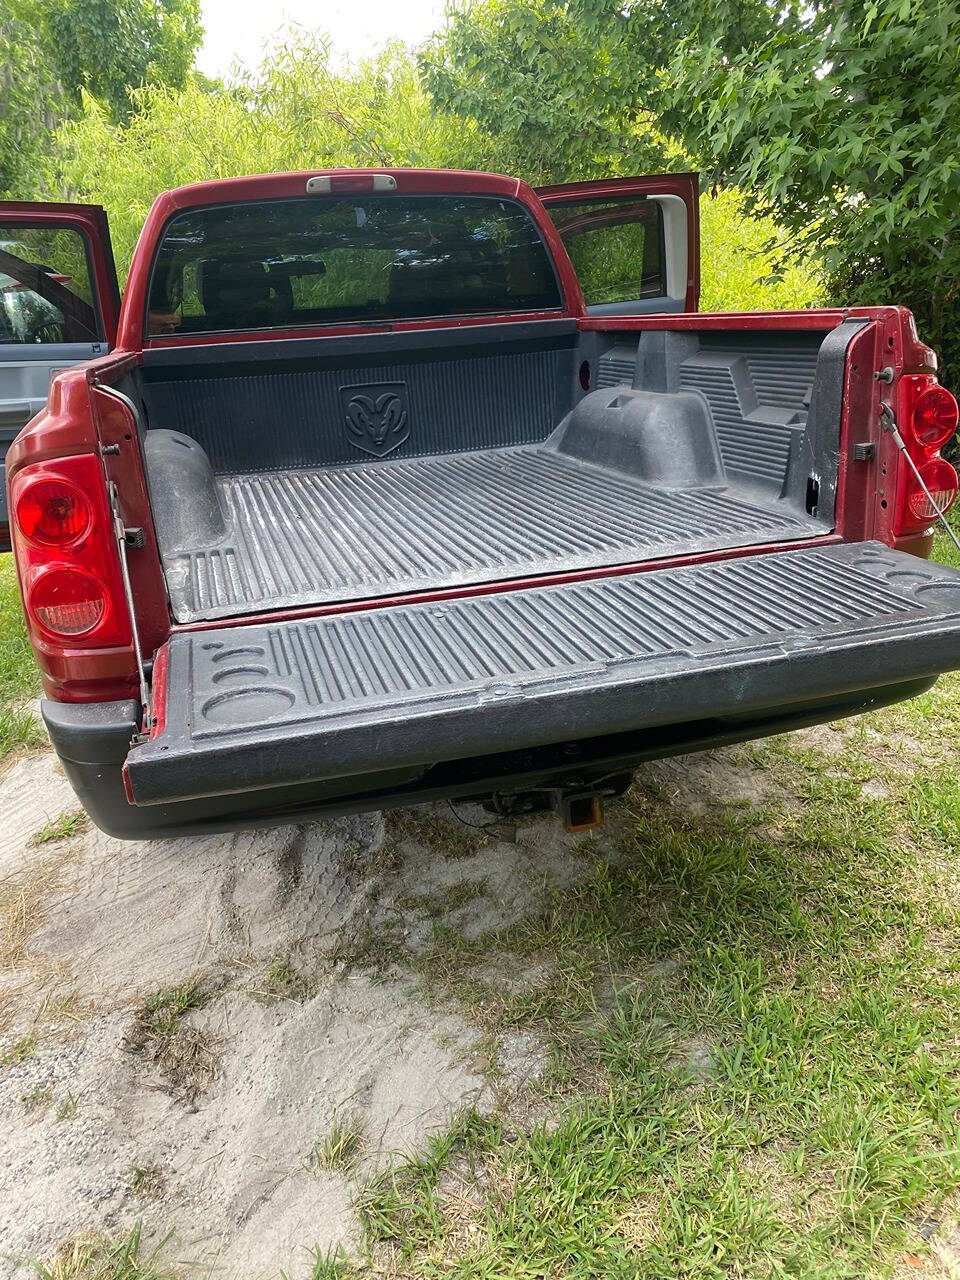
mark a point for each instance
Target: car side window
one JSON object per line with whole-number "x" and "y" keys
{"x": 46, "y": 291}
{"x": 616, "y": 247}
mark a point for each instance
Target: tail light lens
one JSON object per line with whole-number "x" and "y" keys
{"x": 67, "y": 602}
{"x": 935, "y": 417}
{"x": 53, "y": 513}
{"x": 927, "y": 414}
{"x": 67, "y": 556}
{"x": 941, "y": 480}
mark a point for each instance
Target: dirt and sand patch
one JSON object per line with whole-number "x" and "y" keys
{"x": 190, "y": 1024}
{"x": 228, "y": 1037}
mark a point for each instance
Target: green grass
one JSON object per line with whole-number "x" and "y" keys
{"x": 19, "y": 1050}
{"x": 64, "y": 827}
{"x": 162, "y": 1011}
{"x": 37, "y": 1099}
{"x": 450, "y": 898}
{"x": 67, "y": 1107}
{"x": 281, "y": 981}
{"x": 449, "y": 838}
{"x": 19, "y": 679}
{"x": 341, "y": 1147}
{"x": 186, "y": 1057}
{"x": 754, "y": 1013}
{"x": 812, "y": 966}
{"x": 106, "y": 1258}
{"x": 329, "y": 1264}
{"x": 402, "y": 1205}
{"x": 147, "y": 1182}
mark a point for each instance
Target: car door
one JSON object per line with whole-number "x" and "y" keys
{"x": 59, "y": 301}
{"x": 634, "y": 242}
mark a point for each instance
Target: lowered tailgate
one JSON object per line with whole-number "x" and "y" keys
{"x": 265, "y": 705}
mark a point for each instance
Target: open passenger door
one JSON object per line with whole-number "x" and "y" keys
{"x": 59, "y": 301}
{"x": 634, "y": 242}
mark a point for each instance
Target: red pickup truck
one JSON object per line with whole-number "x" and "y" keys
{"x": 385, "y": 486}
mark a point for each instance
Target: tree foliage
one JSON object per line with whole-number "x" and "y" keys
{"x": 54, "y": 51}
{"x": 841, "y": 118}
{"x": 298, "y": 112}
{"x": 301, "y": 112}
{"x": 574, "y": 87}
{"x": 747, "y": 263}
{"x": 845, "y": 121}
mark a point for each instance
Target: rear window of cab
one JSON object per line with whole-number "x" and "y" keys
{"x": 329, "y": 259}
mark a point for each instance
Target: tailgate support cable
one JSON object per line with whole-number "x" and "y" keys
{"x": 121, "y": 535}
{"x": 889, "y": 423}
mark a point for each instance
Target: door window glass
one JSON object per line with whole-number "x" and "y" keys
{"x": 616, "y": 247}
{"x": 46, "y": 294}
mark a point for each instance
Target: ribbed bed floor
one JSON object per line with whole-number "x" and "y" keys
{"x": 311, "y": 537}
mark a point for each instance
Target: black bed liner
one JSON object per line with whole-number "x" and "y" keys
{"x": 365, "y": 692}
{"x": 318, "y": 536}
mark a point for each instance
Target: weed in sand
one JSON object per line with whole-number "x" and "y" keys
{"x": 20, "y": 730}
{"x": 187, "y": 1057}
{"x": 147, "y": 1182}
{"x": 374, "y": 949}
{"x": 162, "y": 1011}
{"x": 282, "y": 981}
{"x": 102, "y": 1258}
{"x": 67, "y": 1107}
{"x": 328, "y": 1264}
{"x": 37, "y": 1099}
{"x": 64, "y": 827}
{"x": 68, "y": 1007}
{"x": 19, "y": 1050}
{"x": 447, "y": 839}
{"x": 23, "y": 899}
{"x": 450, "y": 898}
{"x": 368, "y": 862}
{"x": 340, "y": 1149}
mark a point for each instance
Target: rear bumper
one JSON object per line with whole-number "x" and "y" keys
{"x": 93, "y": 739}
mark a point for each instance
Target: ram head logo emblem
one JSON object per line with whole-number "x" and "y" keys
{"x": 376, "y": 416}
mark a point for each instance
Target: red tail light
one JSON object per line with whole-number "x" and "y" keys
{"x": 927, "y": 414}
{"x": 67, "y": 602}
{"x": 53, "y": 512}
{"x": 941, "y": 480}
{"x": 67, "y": 556}
{"x": 935, "y": 417}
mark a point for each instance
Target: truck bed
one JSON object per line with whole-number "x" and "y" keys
{"x": 688, "y": 443}
{"x": 316, "y": 536}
